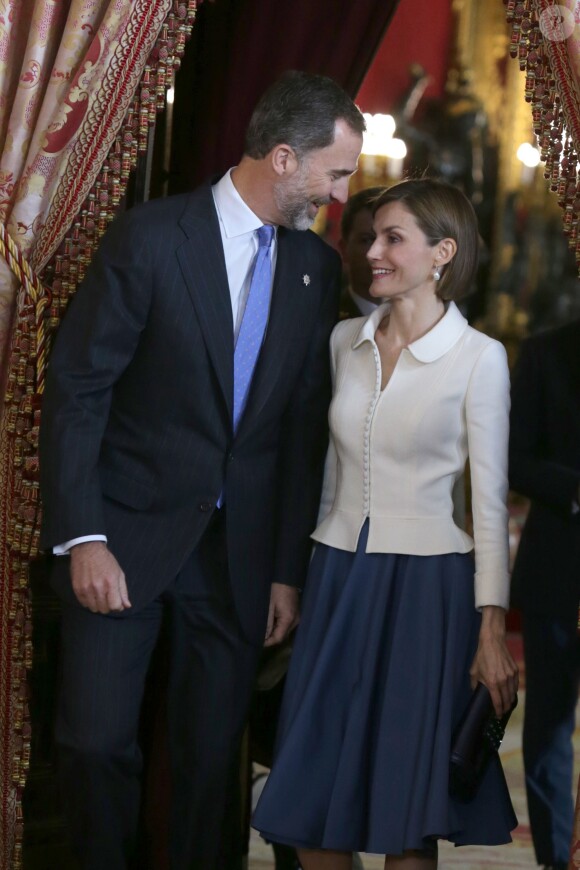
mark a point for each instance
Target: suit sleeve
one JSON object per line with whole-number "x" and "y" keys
{"x": 95, "y": 343}
{"x": 304, "y": 442}
{"x": 487, "y": 417}
{"x": 531, "y": 472}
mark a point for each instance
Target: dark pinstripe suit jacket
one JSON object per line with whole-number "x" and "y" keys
{"x": 137, "y": 440}
{"x": 545, "y": 467}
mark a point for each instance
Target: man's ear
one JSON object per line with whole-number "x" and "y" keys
{"x": 283, "y": 159}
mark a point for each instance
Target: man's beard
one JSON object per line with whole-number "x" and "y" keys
{"x": 293, "y": 203}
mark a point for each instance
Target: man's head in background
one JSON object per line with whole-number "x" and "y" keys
{"x": 356, "y": 237}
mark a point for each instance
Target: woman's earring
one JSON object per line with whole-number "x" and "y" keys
{"x": 436, "y": 274}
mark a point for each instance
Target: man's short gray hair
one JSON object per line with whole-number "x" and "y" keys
{"x": 301, "y": 110}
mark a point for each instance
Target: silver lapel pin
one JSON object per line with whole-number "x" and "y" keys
{"x": 306, "y": 279}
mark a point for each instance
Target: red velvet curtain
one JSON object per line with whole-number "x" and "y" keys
{"x": 240, "y": 47}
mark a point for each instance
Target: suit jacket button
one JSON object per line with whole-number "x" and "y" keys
{"x": 205, "y": 506}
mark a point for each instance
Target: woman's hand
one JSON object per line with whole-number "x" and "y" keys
{"x": 493, "y": 665}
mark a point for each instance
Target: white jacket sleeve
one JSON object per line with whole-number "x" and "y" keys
{"x": 487, "y": 419}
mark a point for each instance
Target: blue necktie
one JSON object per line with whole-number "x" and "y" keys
{"x": 254, "y": 322}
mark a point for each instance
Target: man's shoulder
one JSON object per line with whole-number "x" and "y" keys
{"x": 311, "y": 242}
{"x": 161, "y": 219}
{"x": 560, "y": 343}
{"x": 554, "y": 336}
{"x": 170, "y": 206}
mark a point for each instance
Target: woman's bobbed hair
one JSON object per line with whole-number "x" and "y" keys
{"x": 442, "y": 212}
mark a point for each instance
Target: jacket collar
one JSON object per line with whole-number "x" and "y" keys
{"x": 431, "y": 346}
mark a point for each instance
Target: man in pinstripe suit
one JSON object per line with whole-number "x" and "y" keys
{"x": 157, "y": 503}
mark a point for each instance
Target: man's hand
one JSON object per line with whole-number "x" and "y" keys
{"x": 97, "y": 579}
{"x": 284, "y": 613}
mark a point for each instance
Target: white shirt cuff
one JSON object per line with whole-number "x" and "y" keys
{"x": 62, "y": 549}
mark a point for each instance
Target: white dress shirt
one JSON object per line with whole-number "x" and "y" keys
{"x": 238, "y": 225}
{"x": 396, "y": 454}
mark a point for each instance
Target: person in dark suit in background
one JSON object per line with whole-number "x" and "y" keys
{"x": 545, "y": 467}
{"x": 184, "y": 431}
{"x": 356, "y": 237}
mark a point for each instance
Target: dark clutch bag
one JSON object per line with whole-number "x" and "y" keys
{"x": 476, "y": 739}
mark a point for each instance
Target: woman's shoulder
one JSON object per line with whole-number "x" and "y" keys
{"x": 345, "y": 331}
{"x": 477, "y": 343}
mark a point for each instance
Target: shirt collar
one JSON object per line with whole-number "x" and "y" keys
{"x": 236, "y": 217}
{"x": 431, "y": 346}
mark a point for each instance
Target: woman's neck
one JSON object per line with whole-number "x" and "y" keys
{"x": 408, "y": 320}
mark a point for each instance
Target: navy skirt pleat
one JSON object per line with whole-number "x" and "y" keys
{"x": 379, "y": 677}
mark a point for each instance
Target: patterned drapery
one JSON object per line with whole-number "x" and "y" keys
{"x": 80, "y": 84}
{"x": 546, "y": 41}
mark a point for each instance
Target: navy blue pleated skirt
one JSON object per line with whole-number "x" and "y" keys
{"x": 379, "y": 677}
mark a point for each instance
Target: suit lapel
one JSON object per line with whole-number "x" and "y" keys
{"x": 203, "y": 266}
{"x": 201, "y": 258}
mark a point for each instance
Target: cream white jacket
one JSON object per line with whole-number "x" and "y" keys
{"x": 395, "y": 455}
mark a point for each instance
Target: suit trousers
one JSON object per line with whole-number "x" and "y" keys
{"x": 552, "y": 661}
{"x": 211, "y": 673}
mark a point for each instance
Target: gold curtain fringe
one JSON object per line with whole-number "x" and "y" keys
{"x": 41, "y": 309}
{"x": 67, "y": 267}
{"x": 551, "y": 89}
{"x": 41, "y": 305}
{"x": 31, "y": 293}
